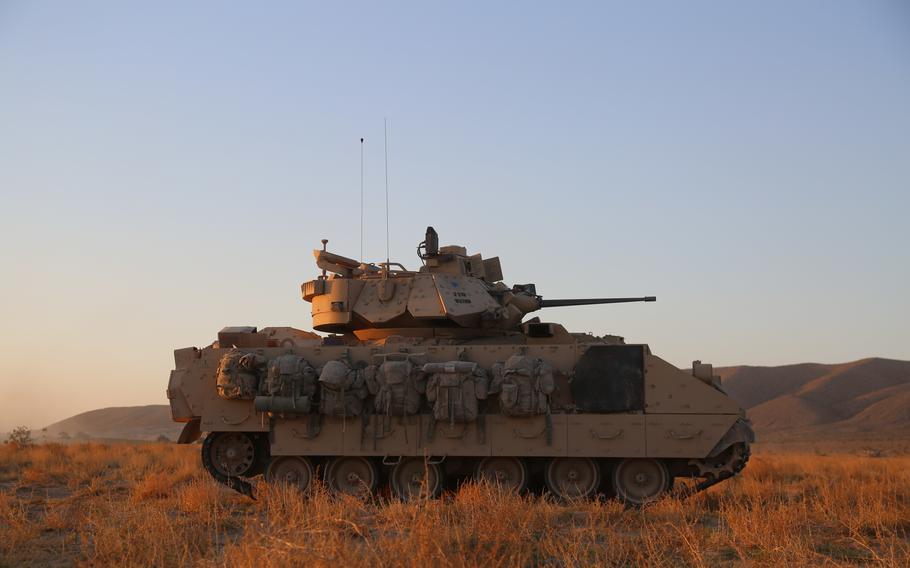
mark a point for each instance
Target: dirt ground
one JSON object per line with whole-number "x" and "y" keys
{"x": 102, "y": 504}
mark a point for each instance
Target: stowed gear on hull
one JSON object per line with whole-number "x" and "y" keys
{"x": 435, "y": 376}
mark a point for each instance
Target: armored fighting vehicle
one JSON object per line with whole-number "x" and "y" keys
{"x": 424, "y": 377}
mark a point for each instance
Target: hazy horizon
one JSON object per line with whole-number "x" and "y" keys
{"x": 166, "y": 170}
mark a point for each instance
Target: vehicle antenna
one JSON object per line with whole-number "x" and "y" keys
{"x": 361, "y": 201}
{"x": 385, "y": 134}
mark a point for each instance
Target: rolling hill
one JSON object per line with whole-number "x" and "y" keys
{"x": 869, "y": 398}
{"x": 123, "y": 422}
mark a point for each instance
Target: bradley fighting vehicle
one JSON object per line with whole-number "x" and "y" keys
{"x": 434, "y": 375}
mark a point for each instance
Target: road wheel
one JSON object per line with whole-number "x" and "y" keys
{"x": 509, "y": 473}
{"x": 640, "y": 481}
{"x": 230, "y": 454}
{"x": 414, "y": 478}
{"x": 294, "y": 471}
{"x": 572, "y": 478}
{"x": 352, "y": 476}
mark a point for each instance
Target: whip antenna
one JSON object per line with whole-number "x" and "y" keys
{"x": 361, "y": 201}
{"x": 385, "y": 135}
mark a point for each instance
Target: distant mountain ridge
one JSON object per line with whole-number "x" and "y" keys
{"x": 866, "y": 398}
{"x": 869, "y": 398}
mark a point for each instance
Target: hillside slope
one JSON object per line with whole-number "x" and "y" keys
{"x": 865, "y": 398}
{"x": 123, "y": 422}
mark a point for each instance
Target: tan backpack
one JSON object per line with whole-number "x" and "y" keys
{"x": 291, "y": 376}
{"x": 237, "y": 376}
{"x": 397, "y": 382}
{"x": 524, "y": 385}
{"x": 342, "y": 389}
{"x": 454, "y": 388}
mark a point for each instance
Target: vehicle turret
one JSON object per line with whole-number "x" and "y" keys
{"x": 452, "y": 294}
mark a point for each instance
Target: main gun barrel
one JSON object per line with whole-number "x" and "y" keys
{"x": 590, "y": 301}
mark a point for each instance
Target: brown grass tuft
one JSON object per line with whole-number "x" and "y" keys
{"x": 153, "y": 486}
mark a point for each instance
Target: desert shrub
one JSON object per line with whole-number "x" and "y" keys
{"x": 20, "y": 437}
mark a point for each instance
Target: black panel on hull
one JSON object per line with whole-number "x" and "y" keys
{"x": 610, "y": 378}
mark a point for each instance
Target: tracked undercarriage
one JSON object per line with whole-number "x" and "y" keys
{"x": 434, "y": 375}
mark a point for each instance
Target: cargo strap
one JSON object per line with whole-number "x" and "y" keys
{"x": 548, "y": 419}
{"x": 431, "y": 428}
{"x": 314, "y": 426}
{"x": 364, "y": 424}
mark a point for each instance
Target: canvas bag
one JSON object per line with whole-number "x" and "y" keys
{"x": 524, "y": 385}
{"x": 291, "y": 376}
{"x": 342, "y": 389}
{"x": 454, "y": 388}
{"x": 397, "y": 383}
{"x": 237, "y": 376}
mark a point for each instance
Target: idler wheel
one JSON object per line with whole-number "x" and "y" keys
{"x": 508, "y": 473}
{"x": 352, "y": 475}
{"x": 572, "y": 478}
{"x": 230, "y": 454}
{"x": 414, "y": 478}
{"x": 293, "y": 471}
{"x": 640, "y": 481}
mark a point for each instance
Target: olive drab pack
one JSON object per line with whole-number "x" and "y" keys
{"x": 291, "y": 376}
{"x": 342, "y": 389}
{"x": 524, "y": 385}
{"x": 397, "y": 382}
{"x": 237, "y": 376}
{"x": 454, "y": 388}
{"x": 288, "y": 388}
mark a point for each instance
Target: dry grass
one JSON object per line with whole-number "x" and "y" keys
{"x": 151, "y": 504}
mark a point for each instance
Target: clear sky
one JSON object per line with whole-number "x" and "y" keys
{"x": 166, "y": 169}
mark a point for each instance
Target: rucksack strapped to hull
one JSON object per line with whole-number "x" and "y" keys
{"x": 343, "y": 389}
{"x": 398, "y": 383}
{"x": 237, "y": 377}
{"x": 524, "y": 385}
{"x": 454, "y": 388}
{"x": 289, "y": 387}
